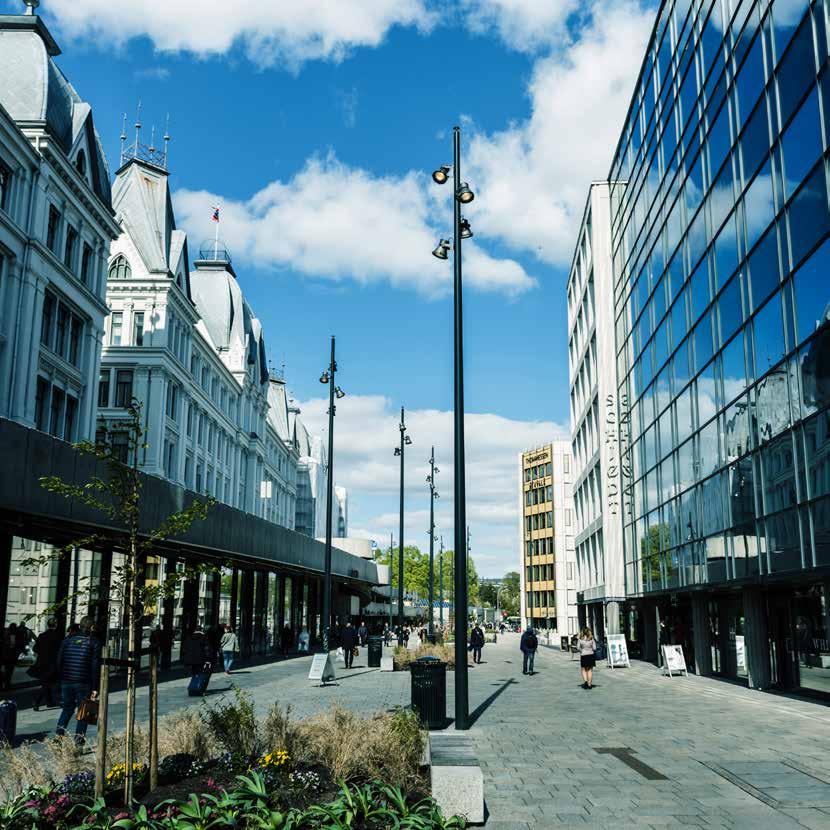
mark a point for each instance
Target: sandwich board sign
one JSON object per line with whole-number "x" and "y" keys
{"x": 617, "y": 651}
{"x": 673, "y": 660}
{"x": 322, "y": 669}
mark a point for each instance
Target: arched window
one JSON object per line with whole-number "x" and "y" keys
{"x": 80, "y": 163}
{"x": 120, "y": 269}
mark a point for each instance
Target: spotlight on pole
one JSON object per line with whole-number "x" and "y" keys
{"x": 441, "y": 175}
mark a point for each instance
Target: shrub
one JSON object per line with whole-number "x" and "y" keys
{"x": 277, "y": 730}
{"x": 402, "y": 657}
{"x": 234, "y": 725}
{"x": 386, "y": 746}
{"x": 186, "y": 733}
{"x": 77, "y": 784}
{"x": 21, "y": 769}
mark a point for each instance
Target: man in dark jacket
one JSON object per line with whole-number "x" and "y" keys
{"x": 196, "y": 651}
{"x": 528, "y": 644}
{"x": 349, "y": 640}
{"x": 79, "y": 671}
{"x": 363, "y": 633}
{"x": 45, "y": 668}
{"x": 477, "y": 642}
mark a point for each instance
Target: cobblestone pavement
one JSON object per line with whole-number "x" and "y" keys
{"x": 728, "y": 757}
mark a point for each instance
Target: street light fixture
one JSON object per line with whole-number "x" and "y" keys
{"x": 441, "y": 175}
{"x": 328, "y": 377}
{"x": 466, "y": 230}
{"x": 463, "y": 195}
{"x": 433, "y": 494}
{"x": 441, "y": 249}
{"x": 401, "y": 451}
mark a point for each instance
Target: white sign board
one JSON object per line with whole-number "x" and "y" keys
{"x": 740, "y": 651}
{"x": 322, "y": 669}
{"x": 673, "y": 660}
{"x": 617, "y": 651}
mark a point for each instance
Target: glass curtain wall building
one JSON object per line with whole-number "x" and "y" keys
{"x": 720, "y": 226}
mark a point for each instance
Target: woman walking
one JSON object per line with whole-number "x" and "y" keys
{"x": 587, "y": 656}
{"x": 229, "y": 645}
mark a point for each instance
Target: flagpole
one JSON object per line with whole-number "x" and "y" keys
{"x": 216, "y": 236}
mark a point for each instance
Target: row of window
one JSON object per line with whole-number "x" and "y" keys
{"x": 537, "y": 600}
{"x": 115, "y": 391}
{"x": 62, "y": 329}
{"x": 538, "y": 471}
{"x": 539, "y": 573}
{"x": 76, "y": 255}
{"x": 56, "y": 410}
{"x": 539, "y": 521}
{"x": 117, "y": 329}
{"x": 539, "y": 495}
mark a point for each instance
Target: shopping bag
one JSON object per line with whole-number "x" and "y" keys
{"x": 88, "y": 711}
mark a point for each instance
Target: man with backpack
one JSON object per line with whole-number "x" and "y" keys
{"x": 528, "y": 645}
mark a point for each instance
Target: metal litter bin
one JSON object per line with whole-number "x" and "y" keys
{"x": 429, "y": 691}
{"x": 375, "y": 651}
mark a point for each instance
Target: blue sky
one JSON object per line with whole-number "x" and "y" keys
{"x": 316, "y": 132}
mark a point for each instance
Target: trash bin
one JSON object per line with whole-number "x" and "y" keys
{"x": 429, "y": 691}
{"x": 432, "y": 639}
{"x": 375, "y": 651}
{"x": 564, "y": 644}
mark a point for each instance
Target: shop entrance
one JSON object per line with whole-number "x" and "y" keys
{"x": 799, "y": 647}
{"x": 726, "y": 636}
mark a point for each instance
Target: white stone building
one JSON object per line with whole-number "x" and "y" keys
{"x": 56, "y": 224}
{"x": 187, "y": 346}
{"x": 594, "y": 413}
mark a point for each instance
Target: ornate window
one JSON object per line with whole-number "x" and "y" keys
{"x": 80, "y": 163}
{"x": 120, "y": 269}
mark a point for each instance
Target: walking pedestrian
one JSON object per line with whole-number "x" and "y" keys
{"x": 349, "y": 638}
{"x": 476, "y": 642}
{"x": 286, "y": 640}
{"x": 46, "y": 648}
{"x": 229, "y": 645}
{"x": 528, "y": 645}
{"x": 9, "y": 656}
{"x": 387, "y": 634}
{"x": 304, "y": 640}
{"x": 587, "y": 656}
{"x": 196, "y": 651}
{"x": 363, "y": 633}
{"x": 79, "y": 670}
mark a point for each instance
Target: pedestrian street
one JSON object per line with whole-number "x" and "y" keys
{"x": 704, "y": 752}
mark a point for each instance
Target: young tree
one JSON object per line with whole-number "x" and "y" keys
{"x": 117, "y": 495}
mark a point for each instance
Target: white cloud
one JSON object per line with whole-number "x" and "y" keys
{"x": 336, "y": 222}
{"x": 524, "y": 25}
{"x": 153, "y": 73}
{"x": 532, "y": 178}
{"x": 278, "y": 32}
{"x": 366, "y": 432}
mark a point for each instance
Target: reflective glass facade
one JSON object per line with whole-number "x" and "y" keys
{"x": 722, "y": 282}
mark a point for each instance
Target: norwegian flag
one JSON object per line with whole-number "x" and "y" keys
{"x": 215, "y": 216}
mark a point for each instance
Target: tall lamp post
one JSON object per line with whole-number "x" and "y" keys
{"x": 335, "y": 391}
{"x": 391, "y": 541}
{"x": 401, "y": 451}
{"x": 433, "y": 494}
{"x": 461, "y": 230}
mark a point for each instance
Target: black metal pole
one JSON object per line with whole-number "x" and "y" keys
{"x": 462, "y": 704}
{"x": 329, "y": 489}
{"x": 431, "y": 627}
{"x": 391, "y": 554}
{"x": 400, "y": 538}
{"x": 441, "y": 586}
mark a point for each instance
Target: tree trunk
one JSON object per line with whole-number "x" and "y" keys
{"x": 154, "y": 733}
{"x": 101, "y": 748}
{"x": 132, "y": 657}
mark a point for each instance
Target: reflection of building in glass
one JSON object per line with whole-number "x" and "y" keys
{"x": 546, "y": 536}
{"x": 598, "y": 473}
{"x": 719, "y": 225}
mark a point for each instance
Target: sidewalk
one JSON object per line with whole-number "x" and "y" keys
{"x": 728, "y": 757}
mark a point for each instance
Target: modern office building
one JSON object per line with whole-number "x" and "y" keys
{"x": 546, "y": 539}
{"x": 720, "y": 225}
{"x": 56, "y": 224}
{"x": 593, "y": 404}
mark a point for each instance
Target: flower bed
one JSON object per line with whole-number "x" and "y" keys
{"x": 224, "y": 768}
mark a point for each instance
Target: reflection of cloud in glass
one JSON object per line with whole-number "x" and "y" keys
{"x": 758, "y": 205}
